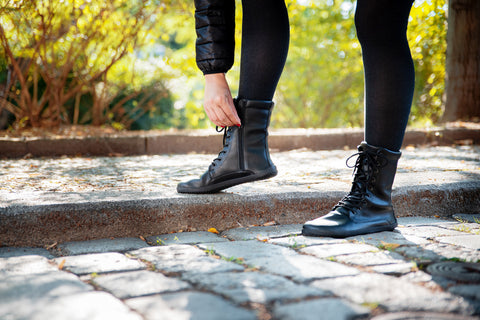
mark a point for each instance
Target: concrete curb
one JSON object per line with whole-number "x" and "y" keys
{"x": 39, "y": 225}
{"x": 203, "y": 141}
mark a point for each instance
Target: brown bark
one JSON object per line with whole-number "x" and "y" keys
{"x": 463, "y": 61}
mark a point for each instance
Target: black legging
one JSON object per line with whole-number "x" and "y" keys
{"x": 389, "y": 75}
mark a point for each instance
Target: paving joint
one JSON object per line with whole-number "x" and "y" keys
{"x": 85, "y": 198}
{"x": 295, "y": 277}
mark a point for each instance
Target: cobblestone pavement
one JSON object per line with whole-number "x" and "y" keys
{"x": 299, "y": 170}
{"x": 84, "y": 198}
{"x": 426, "y": 269}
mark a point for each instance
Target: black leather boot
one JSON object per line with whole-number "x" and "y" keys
{"x": 368, "y": 207}
{"x": 245, "y": 156}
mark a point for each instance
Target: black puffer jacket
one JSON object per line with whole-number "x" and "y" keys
{"x": 215, "y": 26}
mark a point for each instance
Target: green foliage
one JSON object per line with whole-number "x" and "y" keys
{"x": 60, "y": 53}
{"x": 131, "y": 63}
{"x": 322, "y": 84}
{"x": 427, "y": 34}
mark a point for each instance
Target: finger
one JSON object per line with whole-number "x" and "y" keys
{"x": 232, "y": 114}
{"x": 223, "y": 114}
{"x": 225, "y": 118}
{"x": 226, "y": 111}
{"x": 215, "y": 115}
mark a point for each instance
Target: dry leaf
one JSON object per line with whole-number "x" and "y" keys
{"x": 390, "y": 246}
{"x": 262, "y": 239}
{"x": 142, "y": 238}
{"x": 213, "y": 230}
{"x": 51, "y": 246}
{"x": 270, "y": 223}
{"x": 60, "y": 266}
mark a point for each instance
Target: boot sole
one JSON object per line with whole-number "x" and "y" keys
{"x": 312, "y": 231}
{"x": 214, "y": 188}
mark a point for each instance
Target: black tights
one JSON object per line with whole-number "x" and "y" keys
{"x": 389, "y": 75}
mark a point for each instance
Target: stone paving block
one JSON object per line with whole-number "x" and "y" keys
{"x": 393, "y": 294}
{"x": 138, "y": 283}
{"x": 263, "y": 233}
{"x": 437, "y": 252}
{"x": 422, "y": 221}
{"x": 473, "y": 218}
{"x": 184, "y": 258}
{"x": 32, "y": 286}
{"x": 99, "y": 263}
{"x": 427, "y": 280}
{"x": 296, "y": 242}
{"x": 188, "y": 306}
{"x": 378, "y": 239}
{"x": 471, "y": 291}
{"x": 87, "y": 305}
{"x": 429, "y": 232}
{"x": 420, "y": 254}
{"x": 395, "y": 269}
{"x": 329, "y": 308}
{"x": 280, "y": 260}
{"x": 332, "y": 250}
{"x": 101, "y": 245}
{"x": 417, "y": 277}
{"x": 467, "y": 227}
{"x": 56, "y": 295}
{"x": 7, "y": 252}
{"x": 468, "y": 241}
{"x": 25, "y": 265}
{"x": 253, "y": 287}
{"x": 371, "y": 258}
{"x": 422, "y": 316}
{"x": 185, "y": 238}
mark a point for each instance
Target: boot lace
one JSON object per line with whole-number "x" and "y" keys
{"x": 226, "y": 139}
{"x": 366, "y": 167}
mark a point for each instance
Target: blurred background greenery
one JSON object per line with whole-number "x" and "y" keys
{"x": 130, "y": 64}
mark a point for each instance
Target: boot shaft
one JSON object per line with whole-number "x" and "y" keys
{"x": 383, "y": 170}
{"x": 253, "y": 134}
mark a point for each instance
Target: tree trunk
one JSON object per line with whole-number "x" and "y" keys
{"x": 463, "y": 61}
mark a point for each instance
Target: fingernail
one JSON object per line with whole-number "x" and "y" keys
{"x": 238, "y": 125}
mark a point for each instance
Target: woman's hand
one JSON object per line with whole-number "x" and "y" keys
{"x": 218, "y": 102}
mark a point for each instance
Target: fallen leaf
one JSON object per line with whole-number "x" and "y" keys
{"x": 262, "y": 239}
{"x": 270, "y": 223}
{"x": 142, "y": 238}
{"x": 390, "y": 246}
{"x": 60, "y": 266}
{"x": 213, "y": 230}
{"x": 51, "y": 246}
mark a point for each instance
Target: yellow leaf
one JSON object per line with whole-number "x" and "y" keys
{"x": 390, "y": 246}
{"x": 269, "y": 223}
{"x": 259, "y": 238}
{"x": 60, "y": 266}
{"x": 213, "y": 230}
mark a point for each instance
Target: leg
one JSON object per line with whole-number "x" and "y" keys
{"x": 389, "y": 72}
{"x": 265, "y": 39}
{"x": 389, "y": 80}
{"x": 245, "y": 156}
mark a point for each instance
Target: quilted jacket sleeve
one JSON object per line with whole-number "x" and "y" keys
{"x": 215, "y": 27}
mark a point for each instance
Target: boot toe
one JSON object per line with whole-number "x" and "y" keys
{"x": 326, "y": 226}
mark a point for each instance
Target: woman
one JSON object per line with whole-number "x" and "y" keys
{"x": 389, "y": 82}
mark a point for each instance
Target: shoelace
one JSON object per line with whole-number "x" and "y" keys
{"x": 365, "y": 168}
{"x": 226, "y": 138}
